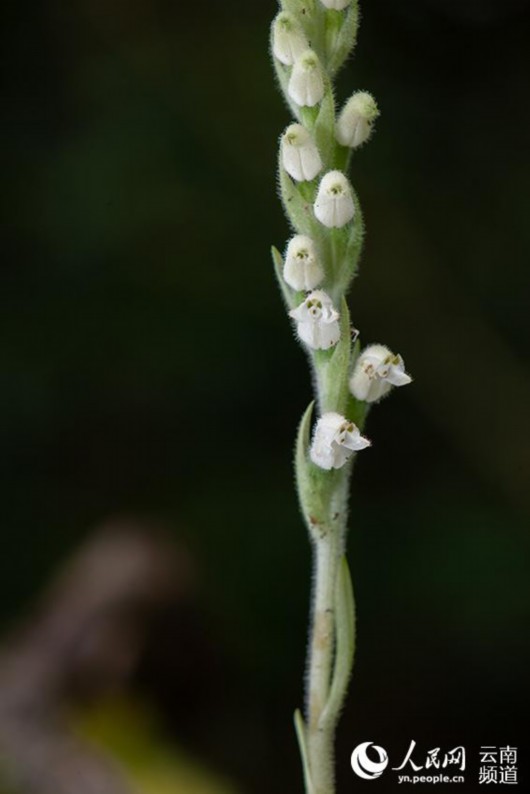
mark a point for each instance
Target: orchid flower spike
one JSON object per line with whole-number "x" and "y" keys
{"x": 299, "y": 154}
{"x": 377, "y": 369}
{"x": 302, "y": 269}
{"x": 334, "y": 205}
{"x": 354, "y": 125}
{"x": 288, "y": 38}
{"x": 306, "y": 84}
{"x": 334, "y": 441}
{"x": 317, "y": 321}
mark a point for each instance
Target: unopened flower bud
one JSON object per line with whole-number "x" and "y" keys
{"x": 302, "y": 270}
{"x": 334, "y": 441}
{"x": 306, "y": 84}
{"x": 300, "y": 156}
{"x": 377, "y": 369}
{"x": 334, "y": 205}
{"x": 354, "y": 125}
{"x": 317, "y": 321}
{"x": 288, "y": 38}
{"x": 338, "y": 5}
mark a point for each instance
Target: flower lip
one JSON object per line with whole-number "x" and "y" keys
{"x": 288, "y": 38}
{"x": 335, "y": 440}
{"x": 355, "y": 122}
{"x": 376, "y": 371}
{"x": 306, "y": 84}
{"x": 299, "y": 154}
{"x": 334, "y": 206}
{"x": 317, "y": 321}
{"x": 302, "y": 269}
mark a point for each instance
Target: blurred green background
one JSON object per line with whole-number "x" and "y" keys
{"x": 147, "y": 367}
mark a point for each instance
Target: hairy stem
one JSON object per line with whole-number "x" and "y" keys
{"x": 320, "y": 738}
{"x": 328, "y": 549}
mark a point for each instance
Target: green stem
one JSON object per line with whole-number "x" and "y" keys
{"x": 327, "y": 675}
{"x": 344, "y": 646}
{"x": 320, "y": 737}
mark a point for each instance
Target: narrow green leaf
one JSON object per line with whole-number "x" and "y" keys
{"x": 345, "y": 39}
{"x": 324, "y": 128}
{"x": 300, "y": 729}
{"x": 344, "y": 648}
{"x": 334, "y": 22}
{"x": 289, "y": 295}
{"x": 333, "y": 372}
{"x": 357, "y": 411}
{"x": 313, "y": 483}
{"x": 352, "y": 252}
{"x": 298, "y": 210}
{"x": 303, "y": 438}
{"x": 308, "y": 116}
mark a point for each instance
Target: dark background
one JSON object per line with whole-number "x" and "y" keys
{"x": 147, "y": 367}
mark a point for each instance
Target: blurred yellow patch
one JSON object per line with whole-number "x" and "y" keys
{"x": 127, "y": 731}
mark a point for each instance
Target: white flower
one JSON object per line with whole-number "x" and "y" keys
{"x": 354, "y": 125}
{"x": 302, "y": 270}
{"x": 288, "y": 38}
{"x": 300, "y": 156}
{"x": 334, "y": 202}
{"x": 317, "y": 321}
{"x": 334, "y": 441}
{"x": 306, "y": 84}
{"x": 338, "y": 5}
{"x": 377, "y": 369}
